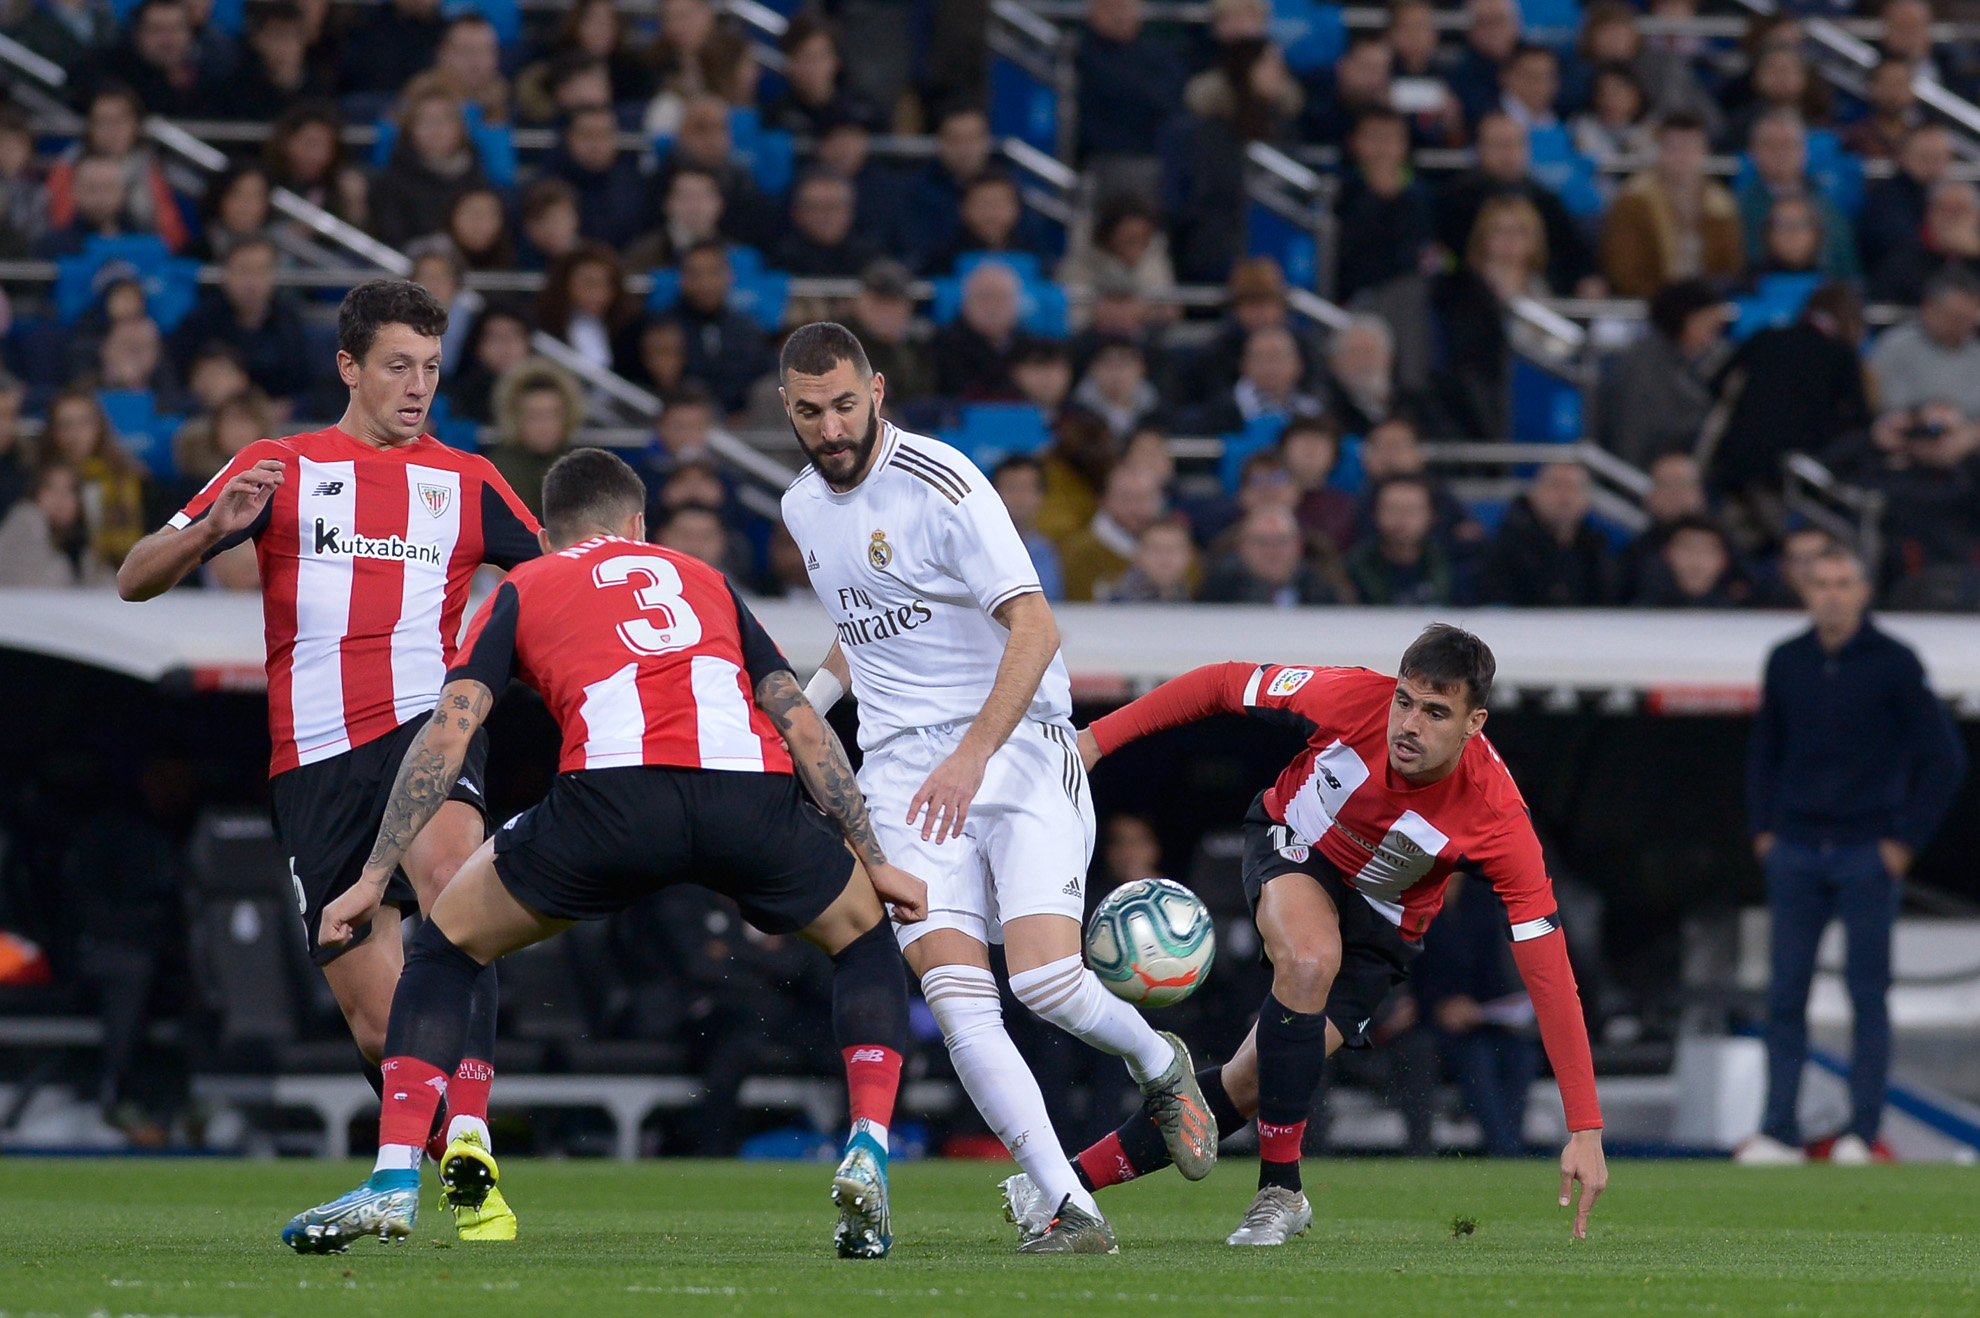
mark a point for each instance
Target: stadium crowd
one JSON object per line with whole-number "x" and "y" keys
{"x": 1755, "y": 344}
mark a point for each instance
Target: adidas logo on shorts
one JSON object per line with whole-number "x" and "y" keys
{"x": 1071, "y": 889}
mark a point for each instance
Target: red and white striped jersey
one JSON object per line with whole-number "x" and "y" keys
{"x": 644, "y": 656}
{"x": 366, "y": 554}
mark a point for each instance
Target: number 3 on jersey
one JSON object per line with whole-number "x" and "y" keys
{"x": 675, "y": 627}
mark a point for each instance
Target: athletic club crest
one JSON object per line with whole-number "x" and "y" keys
{"x": 879, "y": 552}
{"x": 436, "y": 498}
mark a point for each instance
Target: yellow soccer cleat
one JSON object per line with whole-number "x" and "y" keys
{"x": 494, "y": 1220}
{"x": 469, "y": 1173}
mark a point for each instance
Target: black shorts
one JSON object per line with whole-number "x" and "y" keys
{"x": 1375, "y": 957}
{"x": 327, "y": 816}
{"x": 604, "y": 838}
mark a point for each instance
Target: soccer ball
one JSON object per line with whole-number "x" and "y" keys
{"x": 1151, "y": 942}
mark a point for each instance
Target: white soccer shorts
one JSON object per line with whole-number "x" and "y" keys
{"x": 1025, "y": 846}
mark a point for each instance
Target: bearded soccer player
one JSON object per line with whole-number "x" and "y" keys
{"x": 1346, "y": 858}
{"x": 685, "y": 737}
{"x": 367, "y": 535}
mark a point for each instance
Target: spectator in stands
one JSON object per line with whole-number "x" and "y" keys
{"x": 1129, "y": 85}
{"x": 439, "y": 268}
{"x": 1799, "y": 387}
{"x": 1269, "y": 566}
{"x": 1529, "y": 87}
{"x": 1020, "y": 483}
{"x": 704, "y": 142}
{"x": 98, "y": 207}
{"x": 993, "y": 219}
{"x": 1386, "y": 215}
{"x": 305, "y": 154}
{"x": 538, "y": 407}
{"x": 590, "y": 31}
{"x": 469, "y": 57}
{"x": 1128, "y": 251}
{"x": 1908, "y": 36}
{"x": 433, "y": 161}
{"x": 1894, "y": 208}
{"x": 1488, "y": 43}
{"x": 1255, "y": 299}
{"x": 1077, "y": 463}
{"x": 551, "y": 91}
{"x": 1247, "y": 96}
{"x": 1436, "y": 118}
{"x": 1479, "y": 1011}
{"x": 14, "y": 473}
{"x": 972, "y": 354}
{"x": 1611, "y": 40}
{"x": 1400, "y": 562}
{"x": 1781, "y": 83}
{"x": 1361, "y": 390}
{"x": 73, "y": 34}
{"x": 613, "y": 197}
{"x": 1922, "y": 459}
{"x": 845, "y": 148}
{"x": 725, "y": 348}
{"x": 478, "y": 226}
{"x": 1268, "y": 385}
{"x": 1949, "y": 240}
{"x": 1677, "y": 492}
{"x": 684, "y": 430}
{"x": 697, "y": 532}
{"x": 550, "y": 223}
{"x": 822, "y": 240}
{"x": 1697, "y": 569}
{"x": 1395, "y": 449}
{"x": 1164, "y": 571}
{"x": 1800, "y": 548}
{"x": 1616, "y": 122}
{"x": 1116, "y": 388}
{"x": 813, "y": 98}
{"x": 1503, "y": 160}
{"x": 1934, "y": 355}
{"x": 931, "y": 205}
{"x": 217, "y": 373}
{"x": 111, "y": 129}
{"x": 1793, "y": 242}
{"x": 690, "y": 46}
{"x": 1100, "y": 552}
{"x": 23, "y": 192}
{"x": 208, "y": 442}
{"x": 1654, "y": 396}
{"x": 159, "y": 61}
{"x": 392, "y": 44}
{"x": 249, "y": 314}
{"x": 691, "y": 211}
{"x": 1672, "y": 222}
{"x": 276, "y": 73}
{"x": 1893, "y": 112}
{"x": 1131, "y": 850}
{"x": 1357, "y": 83}
{"x": 1471, "y": 358}
{"x": 1779, "y": 151}
{"x": 1310, "y": 447}
{"x": 1852, "y": 766}
{"x": 1042, "y": 372}
{"x": 236, "y": 209}
{"x": 1549, "y": 553}
{"x": 132, "y": 357}
{"x": 44, "y": 540}
{"x": 497, "y": 343}
{"x": 584, "y": 302}
{"x": 883, "y": 319}
{"x": 1118, "y": 311}
{"x": 112, "y": 483}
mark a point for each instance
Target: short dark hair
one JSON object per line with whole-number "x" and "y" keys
{"x": 1677, "y": 302}
{"x": 376, "y": 303}
{"x": 1681, "y": 121}
{"x": 816, "y": 348}
{"x": 1702, "y": 522}
{"x": 589, "y": 487}
{"x": 1016, "y": 462}
{"x": 1446, "y": 657}
{"x": 1948, "y": 280}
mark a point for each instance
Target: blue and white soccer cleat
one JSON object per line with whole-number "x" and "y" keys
{"x": 385, "y": 1206}
{"x": 859, "y": 1189}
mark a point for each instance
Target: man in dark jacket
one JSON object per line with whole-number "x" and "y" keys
{"x": 1385, "y": 212}
{"x": 1503, "y": 159}
{"x": 931, "y": 206}
{"x": 823, "y": 241}
{"x": 615, "y": 201}
{"x": 1796, "y": 387}
{"x": 705, "y": 142}
{"x": 160, "y": 62}
{"x": 725, "y": 349}
{"x": 973, "y": 354}
{"x": 250, "y": 315}
{"x": 1269, "y": 566}
{"x": 1894, "y": 208}
{"x": 1129, "y": 85}
{"x": 1549, "y": 554}
{"x": 1852, "y": 766}
{"x": 393, "y": 42}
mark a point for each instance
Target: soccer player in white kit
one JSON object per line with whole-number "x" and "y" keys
{"x": 971, "y": 767}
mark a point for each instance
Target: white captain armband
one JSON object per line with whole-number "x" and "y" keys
{"x": 1539, "y": 928}
{"x": 823, "y": 691}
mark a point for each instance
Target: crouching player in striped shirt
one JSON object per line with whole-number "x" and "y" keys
{"x": 1345, "y": 861}
{"x": 685, "y": 737}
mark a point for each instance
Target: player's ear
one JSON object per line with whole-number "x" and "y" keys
{"x": 347, "y": 369}
{"x": 636, "y": 528}
{"x": 1476, "y": 723}
{"x": 879, "y": 391}
{"x": 544, "y": 542}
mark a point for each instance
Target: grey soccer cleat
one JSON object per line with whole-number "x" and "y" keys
{"x": 386, "y": 1211}
{"x": 1275, "y": 1216}
{"x": 1025, "y": 1207}
{"x": 859, "y": 1189}
{"x": 1175, "y": 1100}
{"x": 1073, "y": 1230}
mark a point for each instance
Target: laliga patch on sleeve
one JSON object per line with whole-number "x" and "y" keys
{"x": 1288, "y": 681}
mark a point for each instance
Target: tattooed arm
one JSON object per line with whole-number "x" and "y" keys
{"x": 427, "y": 775}
{"x": 822, "y": 765}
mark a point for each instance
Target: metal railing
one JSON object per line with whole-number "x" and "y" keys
{"x": 1850, "y": 513}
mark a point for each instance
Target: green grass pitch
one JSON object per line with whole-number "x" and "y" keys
{"x": 688, "y": 1238}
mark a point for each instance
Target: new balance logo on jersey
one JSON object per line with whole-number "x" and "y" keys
{"x": 332, "y": 540}
{"x": 326, "y": 489}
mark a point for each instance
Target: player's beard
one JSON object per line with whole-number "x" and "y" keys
{"x": 854, "y": 459}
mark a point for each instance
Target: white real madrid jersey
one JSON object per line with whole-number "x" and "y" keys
{"x": 911, "y": 564}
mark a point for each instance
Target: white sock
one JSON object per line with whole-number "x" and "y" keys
{"x": 1072, "y": 997}
{"x": 399, "y": 1158}
{"x": 870, "y": 1128}
{"x": 466, "y": 1123}
{"x": 964, "y": 1000}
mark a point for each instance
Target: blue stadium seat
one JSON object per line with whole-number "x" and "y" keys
{"x": 770, "y": 153}
{"x": 1775, "y": 301}
{"x": 148, "y": 436}
{"x": 1545, "y": 408}
{"x": 987, "y": 433}
{"x": 492, "y": 143}
{"x": 1568, "y": 173}
{"x": 758, "y": 293}
{"x": 504, "y": 15}
{"x": 1042, "y": 304}
{"x": 171, "y": 283}
{"x": 1311, "y": 34}
{"x": 1551, "y": 15}
{"x": 228, "y": 16}
{"x": 1259, "y": 433}
{"x": 1023, "y": 105}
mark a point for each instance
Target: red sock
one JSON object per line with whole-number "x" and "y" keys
{"x": 1280, "y": 1143}
{"x": 413, "y": 1089}
{"x": 467, "y": 1096}
{"x": 1106, "y": 1163}
{"x": 873, "y": 1077}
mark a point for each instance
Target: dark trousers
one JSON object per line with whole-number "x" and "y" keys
{"x": 1494, "y": 1069}
{"x": 1807, "y": 886}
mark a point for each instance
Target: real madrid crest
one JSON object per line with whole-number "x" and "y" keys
{"x": 879, "y": 552}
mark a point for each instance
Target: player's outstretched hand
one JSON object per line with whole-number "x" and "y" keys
{"x": 242, "y": 498}
{"x": 947, "y": 795}
{"x": 905, "y": 895}
{"x": 1582, "y": 1161}
{"x": 1089, "y": 749}
{"x": 351, "y": 911}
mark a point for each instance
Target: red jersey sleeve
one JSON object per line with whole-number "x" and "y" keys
{"x": 508, "y": 528}
{"x": 1197, "y": 694}
{"x": 202, "y": 503}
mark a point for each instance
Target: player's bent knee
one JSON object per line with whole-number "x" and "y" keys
{"x": 1301, "y": 978}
